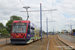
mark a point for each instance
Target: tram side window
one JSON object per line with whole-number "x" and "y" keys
{"x": 32, "y": 30}
{"x": 28, "y": 29}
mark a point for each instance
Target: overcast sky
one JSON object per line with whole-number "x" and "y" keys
{"x": 65, "y": 12}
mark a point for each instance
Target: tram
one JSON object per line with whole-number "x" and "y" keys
{"x": 23, "y": 31}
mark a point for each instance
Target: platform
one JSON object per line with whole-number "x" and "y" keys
{"x": 69, "y": 43}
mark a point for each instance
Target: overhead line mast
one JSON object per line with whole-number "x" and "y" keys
{"x": 41, "y": 20}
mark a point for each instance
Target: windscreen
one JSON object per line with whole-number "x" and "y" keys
{"x": 19, "y": 28}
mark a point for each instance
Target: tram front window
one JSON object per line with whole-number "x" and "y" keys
{"x": 19, "y": 28}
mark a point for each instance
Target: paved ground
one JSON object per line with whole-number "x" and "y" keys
{"x": 67, "y": 42}
{"x": 65, "y": 47}
{"x": 53, "y": 45}
{"x": 37, "y": 45}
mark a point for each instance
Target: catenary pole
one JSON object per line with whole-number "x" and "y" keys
{"x": 41, "y": 20}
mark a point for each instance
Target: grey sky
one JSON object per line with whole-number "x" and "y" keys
{"x": 65, "y": 12}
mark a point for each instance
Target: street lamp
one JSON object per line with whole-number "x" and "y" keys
{"x": 47, "y": 26}
{"x": 26, "y": 7}
{"x": 70, "y": 27}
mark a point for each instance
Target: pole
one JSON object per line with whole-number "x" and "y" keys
{"x": 27, "y": 14}
{"x": 6, "y": 39}
{"x": 53, "y": 31}
{"x": 41, "y": 21}
{"x": 47, "y": 26}
{"x": 71, "y": 28}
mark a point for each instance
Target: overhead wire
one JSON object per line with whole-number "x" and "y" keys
{"x": 21, "y": 2}
{"x": 51, "y": 8}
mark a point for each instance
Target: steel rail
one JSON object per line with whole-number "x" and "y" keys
{"x": 48, "y": 44}
{"x": 58, "y": 45}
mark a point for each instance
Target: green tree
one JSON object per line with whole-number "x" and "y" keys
{"x": 4, "y": 32}
{"x": 43, "y": 32}
{"x": 73, "y": 30}
{"x": 9, "y": 23}
{"x": 15, "y": 18}
{"x": 58, "y": 32}
{"x": 1, "y": 26}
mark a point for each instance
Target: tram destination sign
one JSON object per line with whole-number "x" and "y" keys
{"x": 19, "y": 24}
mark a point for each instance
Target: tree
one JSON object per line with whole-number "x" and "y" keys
{"x": 4, "y": 32}
{"x": 43, "y": 32}
{"x": 9, "y": 23}
{"x": 15, "y": 18}
{"x": 1, "y": 26}
{"x": 58, "y": 32}
{"x": 73, "y": 30}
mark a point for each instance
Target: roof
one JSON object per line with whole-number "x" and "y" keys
{"x": 22, "y": 21}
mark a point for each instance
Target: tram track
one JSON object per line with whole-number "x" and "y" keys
{"x": 10, "y": 47}
{"x": 58, "y": 44}
{"x": 50, "y": 43}
{"x": 53, "y": 44}
{"x": 64, "y": 46}
{"x": 4, "y": 46}
{"x": 16, "y": 46}
{"x": 37, "y": 45}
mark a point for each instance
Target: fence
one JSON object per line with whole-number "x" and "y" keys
{"x": 4, "y": 40}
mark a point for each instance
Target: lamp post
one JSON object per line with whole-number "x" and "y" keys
{"x": 27, "y": 11}
{"x": 71, "y": 28}
{"x": 47, "y": 26}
